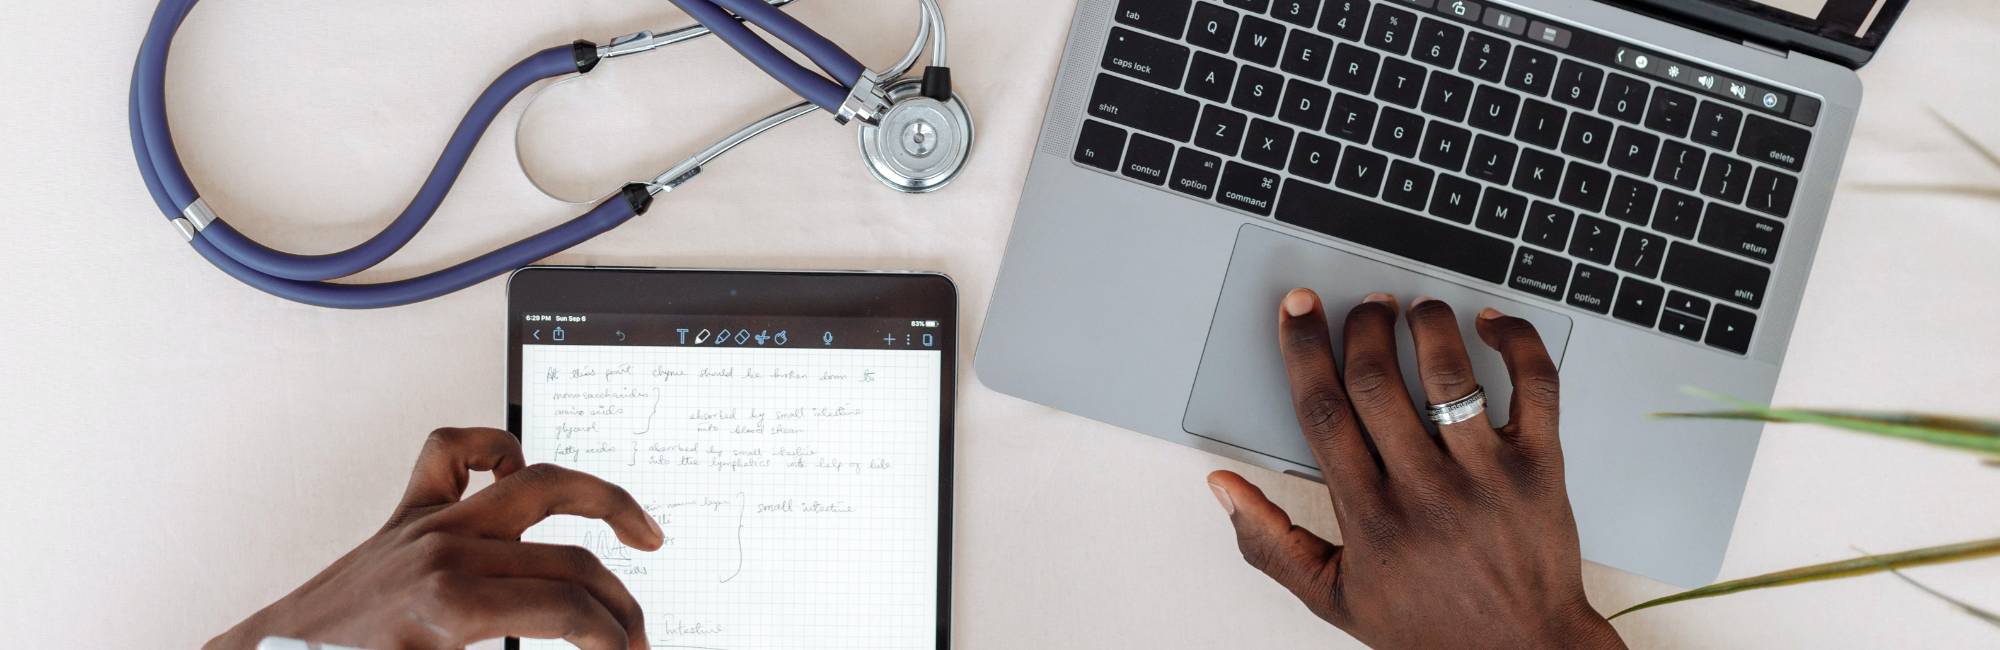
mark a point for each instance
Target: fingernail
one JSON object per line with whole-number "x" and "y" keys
{"x": 1422, "y": 300}
{"x": 1379, "y": 297}
{"x": 1300, "y": 302}
{"x": 1222, "y": 497}
{"x": 1489, "y": 313}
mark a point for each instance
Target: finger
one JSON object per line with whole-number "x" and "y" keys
{"x": 1325, "y": 417}
{"x": 449, "y": 457}
{"x": 1375, "y": 385}
{"x": 1537, "y": 386}
{"x": 504, "y": 559}
{"x": 538, "y": 491}
{"x": 1293, "y": 556}
{"x": 1446, "y": 373}
{"x": 472, "y": 608}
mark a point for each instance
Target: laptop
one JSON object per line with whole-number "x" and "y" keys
{"x": 1644, "y": 180}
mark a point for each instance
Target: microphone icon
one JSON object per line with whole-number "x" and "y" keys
{"x": 827, "y": 338}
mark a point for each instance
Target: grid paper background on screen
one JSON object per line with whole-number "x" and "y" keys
{"x": 797, "y": 487}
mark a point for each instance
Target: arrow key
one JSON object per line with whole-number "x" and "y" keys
{"x": 1729, "y": 328}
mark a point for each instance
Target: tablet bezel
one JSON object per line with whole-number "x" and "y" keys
{"x": 811, "y": 294}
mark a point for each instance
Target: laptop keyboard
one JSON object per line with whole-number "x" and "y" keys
{"x": 1502, "y": 146}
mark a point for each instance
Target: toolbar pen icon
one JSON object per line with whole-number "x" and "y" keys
{"x": 722, "y": 337}
{"x": 701, "y": 338}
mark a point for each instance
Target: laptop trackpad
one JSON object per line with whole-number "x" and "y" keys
{"x": 1241, "y": 396}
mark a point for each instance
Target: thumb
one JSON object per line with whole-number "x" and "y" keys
{"x": 1293, "y": 556}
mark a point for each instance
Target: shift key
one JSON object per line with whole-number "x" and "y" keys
{"x": 1715, "y": 274}
{"x": 1142, "y": 107}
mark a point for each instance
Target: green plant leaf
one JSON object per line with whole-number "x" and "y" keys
{"x": 1979, "y": 436}
{"x": 1833, "y": 570}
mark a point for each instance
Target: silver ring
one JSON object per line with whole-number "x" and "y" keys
{"x": 1459, "y": 410}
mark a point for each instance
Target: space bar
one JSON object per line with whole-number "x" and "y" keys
{"x": 1383, "y": 228}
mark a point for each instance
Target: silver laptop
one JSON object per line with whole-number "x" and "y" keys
{"x": 1645, "y": 180}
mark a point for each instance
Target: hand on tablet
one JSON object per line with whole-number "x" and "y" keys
{"x": 445, "y": 572}
{"x": 1460, "y": 540}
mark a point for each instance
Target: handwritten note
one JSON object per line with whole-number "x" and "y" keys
{"x": 797, "y": 487}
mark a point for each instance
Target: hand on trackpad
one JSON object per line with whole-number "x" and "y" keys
{"x": 1241, "y": 397}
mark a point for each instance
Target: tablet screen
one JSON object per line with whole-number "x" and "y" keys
{"x": 792, "y": 461}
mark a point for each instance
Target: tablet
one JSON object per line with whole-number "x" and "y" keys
{"x": 791, "y": 432}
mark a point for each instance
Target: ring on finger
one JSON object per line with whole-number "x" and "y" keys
{"x": 1459, "y": 410}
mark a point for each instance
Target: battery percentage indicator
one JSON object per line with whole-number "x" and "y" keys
{"x": 924, "y": 323}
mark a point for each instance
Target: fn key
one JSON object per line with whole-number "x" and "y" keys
{"x": 1100, "y": 145}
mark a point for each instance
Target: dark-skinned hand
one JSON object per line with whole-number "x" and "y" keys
{"x": 1459, "y": 540}
{"x": 444, "y": 573}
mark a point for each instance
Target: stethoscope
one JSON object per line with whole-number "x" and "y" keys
{"x": 915, "y": 134}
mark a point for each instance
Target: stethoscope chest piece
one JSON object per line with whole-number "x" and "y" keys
{"x": 921, "y": 144}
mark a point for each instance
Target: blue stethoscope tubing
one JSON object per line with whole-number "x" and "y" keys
{"x": 302, "y": 278}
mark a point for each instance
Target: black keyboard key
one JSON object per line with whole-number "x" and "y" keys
{"x": 1213, "y": 28}
{"x": 1352, "y": 119}
{"x": 1448, "y": 96}
{"x": 1307, "y": 54}
{"x": 1257, "y": 90}
{"x": 1501, "y": 212}
{"x": 1399, "y": 132}
{"x": 1631, "y": 201}
{"x": 1401, "y": 82}
{"x": 1681, "y": 325}
{"x": 1297, "y": 12}
{"x": 1670, "y": 112}
{"x": 1727, "y": 178}
{"x": 1742, "y": 233}
{"x": 1195, "y": 173}
{"x": 1145, "y": 58}
{"x": 1577, "y": 85}
{"x": 1361, "y": 172}
{"x": 1248, "y": 188}
{"x": 1260, "y": 41}
{"x": 1531, "y": 71}
{"x": 1163, "y": 17}
{"x": 1594, "y": 239}
{"x": 1211, "y": 77}
{"x": 1775, "y": 144}
{"x": 1730, "y": 328}
{"x": 1438, "y": 42}
{"x": 1592, "y": 288}
{"x": 1715, "y": 275}
{"x": 1393, "y": 231}
{"x": 1221, "y": 130}
{"x": 1688, "y": 304}
{"x": 1548, "y": 226}
{"x": 1305, "y": 105}
{"x": 1313, "y": 157}
{"x": 1538, "y": 173}
{"x": 1389, "y": 29}
{"x": 1541, "y": 124}
{"x": 1624, "y": 98}
{"x": 1143, "y": 107}
{"x": 1588, "y": 137}
{"x": 1640, "y": 252}
{"x": 1677, "y": 214}
{"x": 1253, "y": 6}
{"x": 1148, "y": 159}
{"x": 1344, "y": 18}
{"x": 1485, "y": 57}
{"x": 1268, "y": 144}
{"x": 1638, "y": 302}
{"x": 1455, "y": 198}
{"x": 1771, "y": 192}
{"x": 1493, "y": 110}
{"x": 1716, "y": 125}
{"x": 1100, "y": 145}
{"x": 1354, "y": 68}
{"x": 1680, "y": 165}
{"x": 1445, "y": 146}
{"x": 1408, "y": 185}
{"x": 1633, "y": 151}
{"x": 1492, "y": 160}
{"x": 1585, "y": 187}
{"x": 1539, "y": 273}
